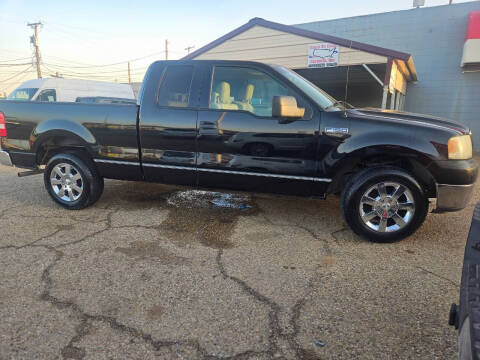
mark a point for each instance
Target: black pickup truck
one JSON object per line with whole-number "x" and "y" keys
{"x": 252, "y": 127}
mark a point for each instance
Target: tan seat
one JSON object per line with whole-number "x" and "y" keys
{"x": 221, "y": 98}
{"x": 245, "y": 103}
{"x": 178, "y": 100}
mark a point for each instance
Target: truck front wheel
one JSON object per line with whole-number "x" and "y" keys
{"x": 383, "y": 204}
{"x": 72, "y": 181}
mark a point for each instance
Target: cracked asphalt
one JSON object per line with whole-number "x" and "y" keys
{"x": 154, "y": 272}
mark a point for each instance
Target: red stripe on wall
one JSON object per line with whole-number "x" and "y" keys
{"x": 473, "y": 28}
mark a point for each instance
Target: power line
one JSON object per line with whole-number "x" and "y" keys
{"x": 117, "y": 63}
{"x": 29, "y": 63}
{"x": 11, "y": 60}
{"x": 95, "y": 72}
{"x": 123, "y": 77}
{"x": 17, "y": 74}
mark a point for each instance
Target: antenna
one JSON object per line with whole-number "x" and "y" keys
{"x": 346, "y": 87}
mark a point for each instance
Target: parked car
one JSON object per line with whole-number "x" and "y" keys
{"x": 385, "y": 164}
{"x": 59, "y": 89}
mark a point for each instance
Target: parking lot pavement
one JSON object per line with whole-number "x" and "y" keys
{"x": 152, "y": 271}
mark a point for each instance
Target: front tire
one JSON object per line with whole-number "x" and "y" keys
{"x": 384, "y": 204}
{"x": 72, "y": 181}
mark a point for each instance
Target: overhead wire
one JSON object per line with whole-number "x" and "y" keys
{"x": 12, "y": 60}
{"x": 17, "y": 74}
{"x": 117, "y": 63}
{"x": 23, "y": 64}
{"x": 100, "y": 72}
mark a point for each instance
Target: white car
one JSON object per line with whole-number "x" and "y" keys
{"x": 68, "y": 90}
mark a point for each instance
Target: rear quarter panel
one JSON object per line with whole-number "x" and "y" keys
{"x": 106, "y": 131}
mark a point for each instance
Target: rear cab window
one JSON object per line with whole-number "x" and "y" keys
{"x": 175, "y": 86}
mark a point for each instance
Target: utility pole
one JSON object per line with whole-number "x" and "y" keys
{"x": 34, "y": 41}
{"x": 188, "y": 48}
{"x": 166, "y": 49}
{"x": 129, "y": 78}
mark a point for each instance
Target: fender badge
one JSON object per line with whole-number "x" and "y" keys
{"x": 336, "y": 131}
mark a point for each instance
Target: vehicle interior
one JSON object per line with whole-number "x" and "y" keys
{"x": 236, "y": 88}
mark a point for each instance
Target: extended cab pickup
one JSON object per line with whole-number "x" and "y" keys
{"x": 252, "y": 127}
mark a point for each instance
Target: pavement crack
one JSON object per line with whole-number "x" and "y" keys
{"x": 33, "y": 242}
{"x": 438, "y": 276}
{"x": 274, "y": 323}
{"x": 71, "y": 351}
{"x": 334, "y": 234}
{"x": 108, "y": 227}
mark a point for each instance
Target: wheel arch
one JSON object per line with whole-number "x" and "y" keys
{"x": 54, "y": 136}
{"x": 411, "y": 161}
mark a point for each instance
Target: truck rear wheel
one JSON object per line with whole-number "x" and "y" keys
{"x": 383, "y": 204}
{"x": 72, "y": 181}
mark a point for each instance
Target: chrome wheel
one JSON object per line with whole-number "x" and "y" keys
{"x": 387, "y": 207}
{"x": 66, "y": 182}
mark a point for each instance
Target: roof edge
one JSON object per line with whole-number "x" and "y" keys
{"x": 305, "y": 33}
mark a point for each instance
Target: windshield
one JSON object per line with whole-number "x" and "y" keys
{"x": 25, "y": 94}
{"x": 314, "y": 92}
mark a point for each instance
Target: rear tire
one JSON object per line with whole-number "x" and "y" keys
{"x": 72, "y": 181}
{"x": 383, "y": 204}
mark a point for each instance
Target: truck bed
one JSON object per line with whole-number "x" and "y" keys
{"x": 98, "y": 128}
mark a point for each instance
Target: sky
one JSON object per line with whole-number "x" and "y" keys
{"x": 83, "y": 38}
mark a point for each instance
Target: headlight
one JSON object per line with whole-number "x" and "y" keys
{"x": 460, "y": 147}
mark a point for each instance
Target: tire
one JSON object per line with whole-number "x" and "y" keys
{"x": 77, "y": 177}
{"x": 390, "y": 216}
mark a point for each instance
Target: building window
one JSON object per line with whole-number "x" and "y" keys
{"x": 175, "y": 88}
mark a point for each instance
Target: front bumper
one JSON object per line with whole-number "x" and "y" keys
{"x": 453, "y": 197}
{"x": 5, "y": 158}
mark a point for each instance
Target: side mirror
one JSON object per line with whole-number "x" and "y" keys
{"x": 286, "y": 107}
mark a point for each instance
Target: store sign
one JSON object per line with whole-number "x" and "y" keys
{"x": 322, "y": 55}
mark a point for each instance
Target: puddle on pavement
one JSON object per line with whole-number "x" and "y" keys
{"x": 207, "y": 217}
{"x": 208, "y": 199}
{"x": 145, "y": 250}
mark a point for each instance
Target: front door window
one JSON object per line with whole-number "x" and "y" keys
{"x": 245, "y": 89}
